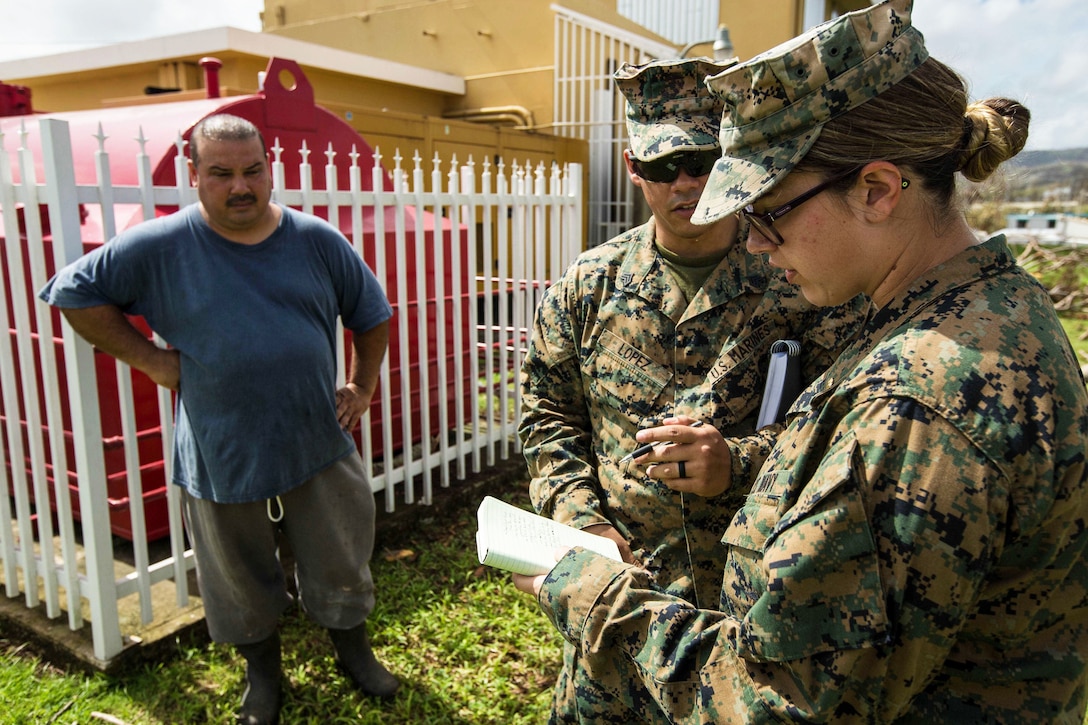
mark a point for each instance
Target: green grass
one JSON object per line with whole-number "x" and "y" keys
{"x": 468, "y": 647}
{"x": 1064, "y": 270}
{"x": 1077, "y": 330}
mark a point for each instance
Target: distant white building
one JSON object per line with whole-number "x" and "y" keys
{"x": 1061, "y": 193}
{"x": 1046, "y": 228}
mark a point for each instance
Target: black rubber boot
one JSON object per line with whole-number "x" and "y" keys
{"x": 263, "y": 695}
{"x": 355, "y": 656}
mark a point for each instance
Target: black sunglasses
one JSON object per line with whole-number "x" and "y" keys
{"x": 666, "y": 169}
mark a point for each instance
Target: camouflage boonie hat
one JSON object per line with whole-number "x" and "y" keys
{"x": 669, "y": 107}
{"x": 777, "y": 102}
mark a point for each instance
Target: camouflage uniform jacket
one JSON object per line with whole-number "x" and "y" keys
{"x": 617, "y": 348}
{"x": 912, "y": 551}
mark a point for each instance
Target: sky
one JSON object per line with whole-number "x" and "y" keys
{"x": 1034, "y": 51}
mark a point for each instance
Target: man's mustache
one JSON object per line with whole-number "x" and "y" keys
{"x": 241, "y": 199}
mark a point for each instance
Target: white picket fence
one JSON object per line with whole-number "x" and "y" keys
{"x": 490, "y": 239}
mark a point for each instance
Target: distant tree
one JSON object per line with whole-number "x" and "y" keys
{"x": 1079, "y": 186}
{"x": 986, "y": 217}
{"x": 986, "y": 202}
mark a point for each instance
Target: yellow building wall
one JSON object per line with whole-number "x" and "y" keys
{"x": 393, "y": 132}
{"x": 463, "y": 38}
{"x": 125, "y": 85}
{"x": 504, "y": 49}
{"x": 758, "y": 26}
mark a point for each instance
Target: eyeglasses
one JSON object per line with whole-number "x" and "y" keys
{"x": 763, "y": 222}
{"x": 666, "y": 169}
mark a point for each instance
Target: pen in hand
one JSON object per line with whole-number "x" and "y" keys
{"x": 646, "y": 448}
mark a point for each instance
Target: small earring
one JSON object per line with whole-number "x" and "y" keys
{"x": 906, "y": 183}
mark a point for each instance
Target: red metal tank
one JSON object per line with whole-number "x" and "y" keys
{"x": 14, "y": 100}
{"x": 285, "y": 112}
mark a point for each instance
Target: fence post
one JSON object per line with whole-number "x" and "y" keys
{"x": 62, "y": 199}
{"x": 13, "y": 454}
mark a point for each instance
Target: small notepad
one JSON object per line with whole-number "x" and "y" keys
{"x": 783, "y": 382}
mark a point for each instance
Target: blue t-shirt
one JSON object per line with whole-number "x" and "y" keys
{"x": 255, "y": 326}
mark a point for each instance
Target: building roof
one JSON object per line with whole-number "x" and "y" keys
{"x": 224, "y": 40}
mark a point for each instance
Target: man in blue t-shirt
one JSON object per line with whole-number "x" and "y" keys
{"x": 247, "y": 294}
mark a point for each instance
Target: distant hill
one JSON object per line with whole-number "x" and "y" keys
{"x": 1031, "y": 173}
{"x": 1032, "y": 159}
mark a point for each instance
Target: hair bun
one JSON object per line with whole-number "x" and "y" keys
{"x": 995, "y": 130}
